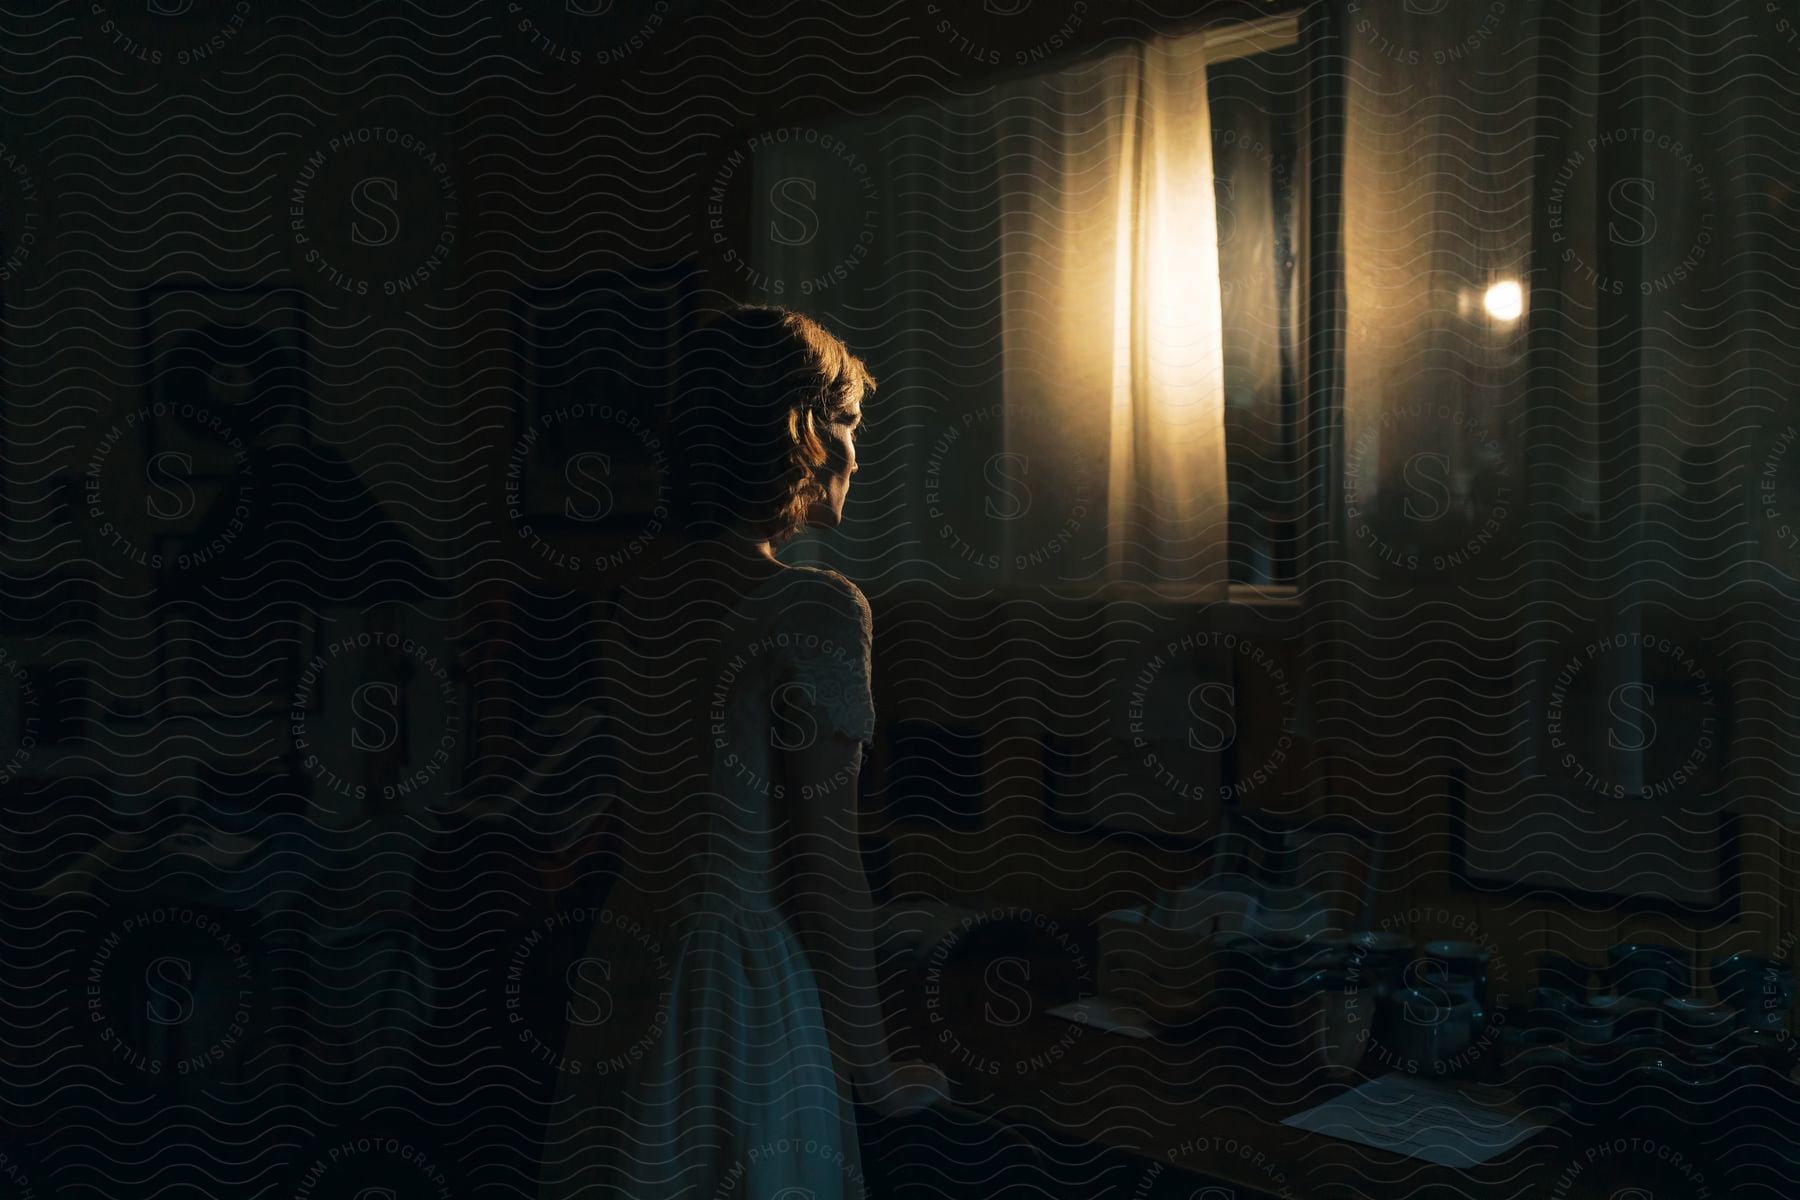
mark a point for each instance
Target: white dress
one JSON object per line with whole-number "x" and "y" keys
{"x": 696, "y": 1063}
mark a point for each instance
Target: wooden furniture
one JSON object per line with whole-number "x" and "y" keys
{"x": 1208, "y": 1111}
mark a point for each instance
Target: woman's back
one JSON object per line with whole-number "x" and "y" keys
{"x": 706, "y": 1039}
{"x": 722, "y": 669}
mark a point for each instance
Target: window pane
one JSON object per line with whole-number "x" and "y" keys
{"x": 1254, "y": 102}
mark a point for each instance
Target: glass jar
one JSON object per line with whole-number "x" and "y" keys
{"x": 1646, "y": 971}
{"x": 1695, "y": 1025}
{"x": 1760, "y": 988}
{"x": 1463, "y": 960}
{"x": 1339, "y": 1045}
{"x": 1428, "y": 1029}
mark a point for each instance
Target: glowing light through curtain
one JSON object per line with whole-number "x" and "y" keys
{"x": 1111, "y": 248}
{"x": 1042, "y": 304}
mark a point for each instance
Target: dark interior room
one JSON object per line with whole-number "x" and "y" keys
{"x": 899, "y": 599}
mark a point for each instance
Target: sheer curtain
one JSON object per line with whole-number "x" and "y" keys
{"x": 1560, "y": 603}
{"x": 1039, "y": 298}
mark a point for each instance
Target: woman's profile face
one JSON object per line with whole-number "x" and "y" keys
{"x": 840, "y": 464}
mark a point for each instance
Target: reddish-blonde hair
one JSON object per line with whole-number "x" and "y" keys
{"x": 760, "y": 385}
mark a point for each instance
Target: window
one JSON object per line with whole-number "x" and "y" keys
{"x": 1256, "y": 135}
{"x": 1078, "y": 290}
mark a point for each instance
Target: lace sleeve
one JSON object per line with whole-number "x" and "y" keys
{"x": 828, "y": 638}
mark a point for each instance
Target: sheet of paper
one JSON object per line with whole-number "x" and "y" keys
{"x": 1443, "y": 1123}
{"x": 1102, "y": 1013}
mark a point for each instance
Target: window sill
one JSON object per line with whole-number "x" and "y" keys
{"x": 1273, "y": 595}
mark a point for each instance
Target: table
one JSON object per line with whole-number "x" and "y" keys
{"x": 1176, "y": 1116}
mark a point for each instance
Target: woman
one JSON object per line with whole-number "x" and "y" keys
{"x": 726, "y": 1010}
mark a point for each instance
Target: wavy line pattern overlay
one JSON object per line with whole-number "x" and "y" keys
{"x": 1313, "y": 620}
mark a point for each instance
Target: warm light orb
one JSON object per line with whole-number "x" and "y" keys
{"x": 1505, "y": 301}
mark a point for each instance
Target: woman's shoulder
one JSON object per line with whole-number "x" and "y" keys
{"x": 821, "y": 593}
{"x": 827, "y": 578}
